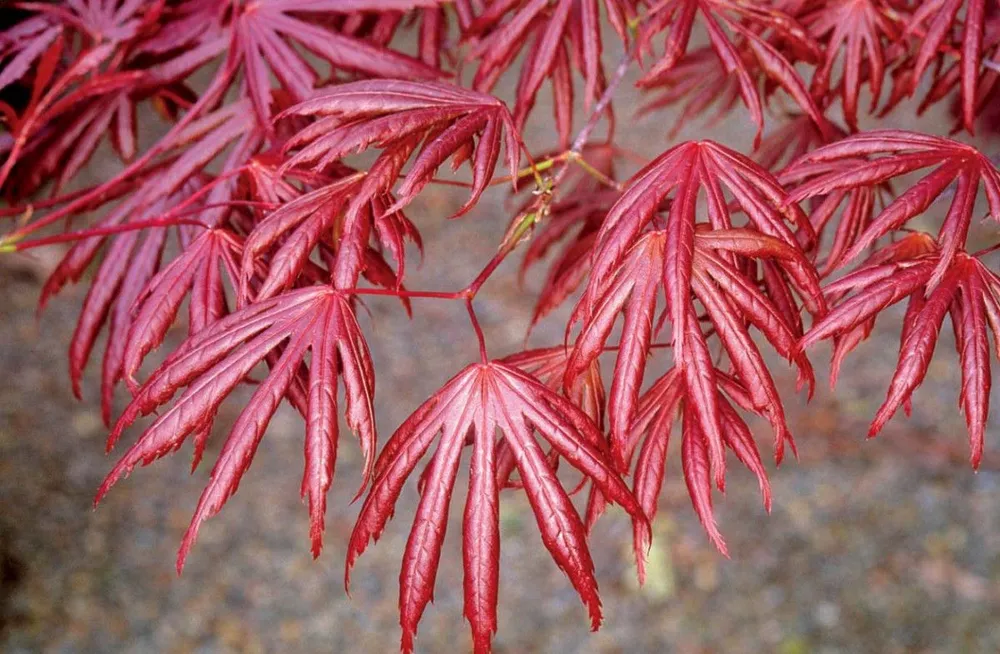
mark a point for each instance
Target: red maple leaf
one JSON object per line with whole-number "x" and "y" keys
{"x": 933, "y": 22}
{"x": 650, "y": 434}
{"x": 562, "y": 35}
{"x": 892, "y": 153}
{"x": 967, "y": 290}
{"x": 853, "y": 26}
{"x": 744, "y": 20}
{"x": 730, "y": 299}
{"x": 481, "y": 400}
{"x": 210, "y": 364}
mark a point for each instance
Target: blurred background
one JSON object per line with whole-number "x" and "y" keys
{"x": 891, "y": 545}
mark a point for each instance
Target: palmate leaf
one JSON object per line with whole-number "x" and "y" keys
{"x": 854, "y": 26}
{"x": 130, "y": 260}
{"x": 968, "y": 291}
{"x": 24, "y": 127}
{"x": 434, "y": 120}
{"x": 696, "y": 83}
{"x": 94, "y": 36}
{"x": 473, "y": 406}
{"x": 133, "y": 257}
{"x": 730, "y": 299}
{"x": 934, "y": 22}
{"x": 104, "y": 107}
{"x": 262, "y": 33}
{"x": 659, "y": 407}
{"x": 384, "y": 113}
{"x": 684, "y": 172}
{"x": 297, "y": 227}
{"x": 548, "y": 366}
{"x": 211, "y": 363}
{"x": 556, "y": 37}
{"x": 794, "y": 138}
{"x": 846, "y": 213}
{"x": 200, "y": 273}
{"x": 54, "y": 26}
{"x": 626, "y": 275}
{"x": 746, "y": 20}
{"x": 894, "y": 153}
{"x": 342, "y": 213}
{"x": 25, "y": 46}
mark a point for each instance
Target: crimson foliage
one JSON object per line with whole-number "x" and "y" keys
{"x": 252, "y": 209}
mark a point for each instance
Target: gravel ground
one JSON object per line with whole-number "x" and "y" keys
{"x": 891, "y": 545}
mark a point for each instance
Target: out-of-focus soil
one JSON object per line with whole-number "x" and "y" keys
{"x": 891, "y": 545}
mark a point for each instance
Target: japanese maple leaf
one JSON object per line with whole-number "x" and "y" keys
{"x": 24, "y": 127}
{"x": 659, "y": 408}
{"x": 263, "y": 33}
{"x": 893, "y": 153}
{"x": 387, "y": 113}
{"x": 846, "y": 213}
{"x": 94, "y": 34}
{"x": 626, "y": 273}
{"x": 132, "y": 257}
{"x": 933, "y": 21}
{"x": 696, "y": 83}
{"x": 130, "y": 260}
{"x": 380, "y": 23}
{"x": 342, "y": 213}
{"x": 854, "y": 26}
{"x": 209, "y": 259}
{"x": 476, "y": 404}
{"x": 548, "y": 365}
{"x": 554, "y": 37}
{"x": 968, "y": 291}
{"x": 298, "y": 226}
{"x": 794, "y": 138}
{"x": 954, "y": 75}
{"x": 677, "y": 17}
{"x": 25, "y": 45}
{"x": 71, "y": 129}
{"x": 211, "y": 363}
{"x": 683, "y": 173}
{"x": 730, "y": 300}
{"x": 51, "y": 27}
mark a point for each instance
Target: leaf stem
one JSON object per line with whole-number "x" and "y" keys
{"x": 403, "y": 293}
{"x": 11, "y": 244}
{"x": 479, "y": 330}
{"x": 594, "y": 172}
{"x": 985, "y": 251}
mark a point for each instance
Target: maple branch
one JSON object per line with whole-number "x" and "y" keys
{"x": 566, "y": 157}
{"x": 604, "y": 101}
{"x": 470, "y": 291}
{"x": 595, "y": 116}
{"x": 533, "y": 169}
{"x": 17, "y": 210}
